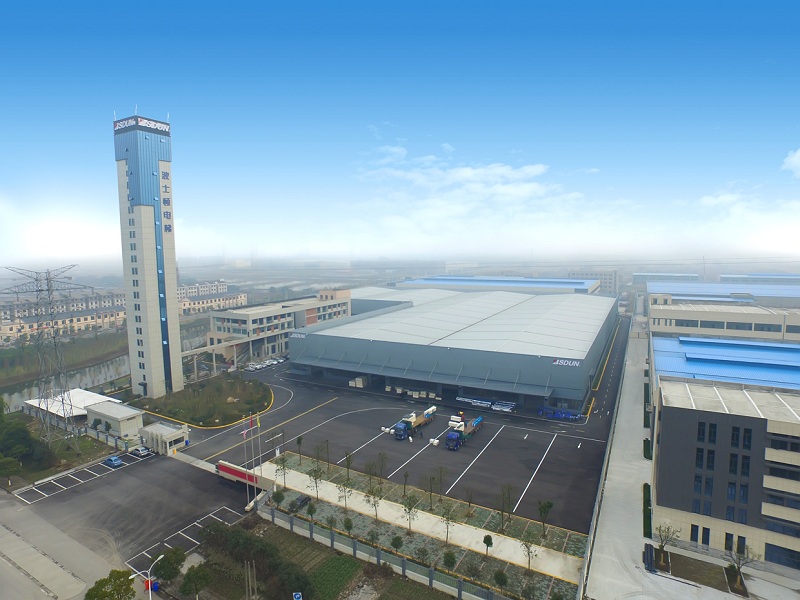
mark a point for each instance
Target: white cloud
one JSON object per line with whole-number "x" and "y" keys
{"x": 375, "y": 131}
{"x": 722, "y": 199}
{"x": 792, "y": 162}
{"x": 391, "y": 154}
{"x": 448, "y": 148}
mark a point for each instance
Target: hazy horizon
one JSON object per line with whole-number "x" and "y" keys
{"x": 452, "y": 130}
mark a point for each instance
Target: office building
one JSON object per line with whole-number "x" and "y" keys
{"x": 143, "y": 152}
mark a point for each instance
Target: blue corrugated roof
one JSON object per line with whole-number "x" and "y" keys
{"x": 720, "y": 299}
{"x": 504, "y": 281}
{"x": 735, "y": 361}
{"x": 722, "y": 289}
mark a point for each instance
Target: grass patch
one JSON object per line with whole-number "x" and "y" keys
{"x": 333, "y": 576}
{"x": 296, "y": 548}
{"x": 216, "y": 401}
{"x": 403, "y": 589}
{"x": 698, "y": 571}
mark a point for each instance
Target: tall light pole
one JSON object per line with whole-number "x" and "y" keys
{"x": 149, "y": 582}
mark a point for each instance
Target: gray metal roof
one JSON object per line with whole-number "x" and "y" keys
{"x": 115, "y": 410}
{"x": 563, "y": 325}
{"x": 752, "y": 401}
{"x": 417, "y": 296}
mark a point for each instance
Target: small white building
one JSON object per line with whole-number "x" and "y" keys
{"x": 163, "y": 438}
{"x": 117, "y": 419}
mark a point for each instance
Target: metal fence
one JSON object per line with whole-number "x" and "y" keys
{"x": 434, "y": 578}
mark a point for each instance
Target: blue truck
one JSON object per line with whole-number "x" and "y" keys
{"x": 406, "y": 427}
{"x": 462, "y": 430}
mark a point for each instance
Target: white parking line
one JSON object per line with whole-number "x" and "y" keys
{"x": 534, "y": 473}
{"x": 360, "y": 447}
{"x": 90, "y": 471}
{"x": 63, "y": 487}
{"x": 75, "y": 478}
{"x": 188, "y": 538}
{"x": 425, "y": 447}
{"x": 464, "y": 472}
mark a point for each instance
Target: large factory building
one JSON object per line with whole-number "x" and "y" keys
{"x": 501, "y": 349}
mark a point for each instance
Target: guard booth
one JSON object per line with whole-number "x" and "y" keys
{"x": 163, "y": 438}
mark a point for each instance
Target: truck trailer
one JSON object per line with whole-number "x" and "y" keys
{"x": 410, "y": 423}
{"x": 462, "y": 430}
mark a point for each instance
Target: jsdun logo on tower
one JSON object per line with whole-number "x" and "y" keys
{"x": 564, "y": 362}
{"x": 141, "y": 122}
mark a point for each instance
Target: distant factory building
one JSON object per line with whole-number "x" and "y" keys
{"x": 775, "y": 296}
{"x": 522, "y": 285}
{"x": 609, "y": 280}
{"x": 640, "y": 278}
{"x": 762, "y": 278}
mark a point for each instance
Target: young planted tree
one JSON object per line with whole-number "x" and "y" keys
{"x": 299, "y": 441}
{"x": 278, "y": 497}
{"x": 405, "y": 481}
{"x": 423, "y": 556}
{"x": 319, "y": 450}
{"x": 468, "y": 493}
{"x": 528, "y": 544}
{"x": 331, "y": 522}
{"x": 383, "y": 460}
{"x": 373, "y": 498}
{"x": 448, "y": 517}
{"x": 487, "y": 541}
{"x": 117, "y": 586}
{"x": 449, "y": 560}
{"x": 347, "y": 523}
{"x": 281, "y": 467}
{"x": 311, "y": 510}
{"x": 440, "y": 475}
{"x": 369, "y": 469}
{"x": 348, "y": 462}
{"x": 316, "y": 475}
{"x": 431, "y": 483}
{"x": 505, "y": 501}
{"x": 544, "y": 510}
{"x": 197, "y": 578}
{"x": 742, "y": 559}
{"x": 410, "y": 509}
{"x": 667, "y": 534}
{"x": 397, "y": 543}
{"x": 345, "y": 491}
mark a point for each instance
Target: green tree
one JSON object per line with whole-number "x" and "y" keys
{"x": 117, "y": 586}
{"x": 278, "y": 497}
{"x": 8, "y": 467}
{"x": 348, "y": 462}
{"x": 410, "y": 508}
{"x": 197, "y": 578}
{"x": 347, "y": 523}
{"x": 331, "y": 522}
{"x": 316, "y": 475}
{"x": 96, "y": 424}
{"x": 299, "y": 441}
{"x": 169, "y": 567}
{"x": 487, "y": 541}
{"x": 311, "y": 510}
{"x": 373, "y": 498}
{"x": 500, "y": 578}
{"x": 397, "y": 543}
{"x": 449, "y": 560}
{"x": 405, "y": 481}
{"x": 281, "y": 466}
{"x": 423, "y": 556}
{"x": 544, "y": 510}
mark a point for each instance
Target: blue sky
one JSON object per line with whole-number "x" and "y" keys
{"x": 410, "y": 129}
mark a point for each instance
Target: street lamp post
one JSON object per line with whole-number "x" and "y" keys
{"x": 149, "y": 582}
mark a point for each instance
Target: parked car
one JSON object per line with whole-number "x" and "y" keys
{"x": 113, "y": 462}
{"x": 141, "y": 451}
{"x": 301, "y": 502}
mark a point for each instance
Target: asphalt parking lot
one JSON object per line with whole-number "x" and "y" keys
{"x": 542, "y": 460}
{"x": 132, "y": 508}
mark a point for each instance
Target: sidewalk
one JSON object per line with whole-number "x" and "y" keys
{"x": 547, "y": 561}
{"x": 615, "y": 568}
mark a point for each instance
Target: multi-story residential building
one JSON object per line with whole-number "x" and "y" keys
{"x": 265, "y": 329}
{"x": 198, "y": 304}
{"x": 726, "y": 457}
{"x": 609, "y": 280}
{"x": 143, "y": 153}
{"x": 202, "y": 289}
{"x": 25, "y": 305}
{"x": 66, "y": 323}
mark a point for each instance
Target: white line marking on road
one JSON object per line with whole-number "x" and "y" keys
{"x": 360, "y": 447}
{"x": 92, "y": 472}
{"x": 535, "y": 472}
{"x": 526, "y": 437}
{"x": 425, "y": 447}
{"x": 579, "y": 445}
{"x": 63, "y": 487}
{"x": 464, "y": 472}
{"x": 75, "y": 478}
